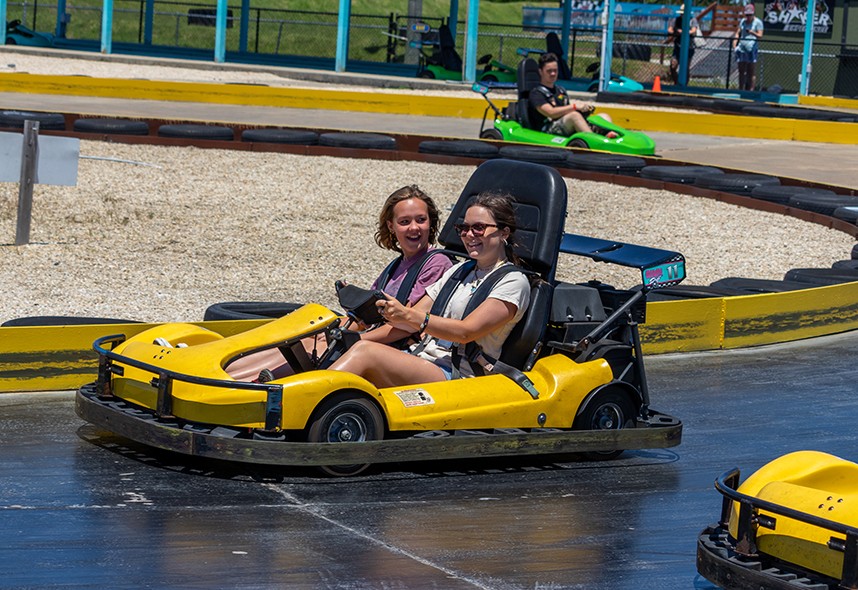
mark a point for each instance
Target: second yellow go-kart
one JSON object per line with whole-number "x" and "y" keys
{"x": 575, "y": 380}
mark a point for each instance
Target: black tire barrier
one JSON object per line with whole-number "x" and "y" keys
{"x": 366, "y": 141}
{"x": 538, "y": 155}
{"x": 782, "y": 194}
{"x": 196, "y": 131}
{"x": 823, "y": 204}
{"x": 111, "y": 126}
{"x": 849, "y": 214}
{"x": 855, "y": 252}
{"x": 794, "y": 113}
{"x": 469, "y": 148}
{"x": 47, "y": 121}
{"x": 248, "y": 310}
{"x": 290, "y": 136}
{"x": 846, "y": 264}
{"x": 741, "y": 184}
{"x": 751, "y": 286}
{"x": 629, "y": 165}
{"x": 678, "y": 174}
{"x": 61, "y": 320}
{"x": 822, "y": 276}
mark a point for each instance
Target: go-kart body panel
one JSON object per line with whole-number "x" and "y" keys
{"x": 810, "y": 482}
{"x": 493, "y": 401}
{"x": 497, "y": 71}
{"x": 626, "y": 142}
{"x": 18, "y": 34}
{"x": 795, "y": 517}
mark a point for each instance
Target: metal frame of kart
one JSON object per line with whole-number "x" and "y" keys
{"x": 158, "y": 428}
{"x": 736, "y": 564}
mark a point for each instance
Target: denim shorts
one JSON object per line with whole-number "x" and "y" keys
{"x": 448, "y": 372}
{"x": 746, "y": 56}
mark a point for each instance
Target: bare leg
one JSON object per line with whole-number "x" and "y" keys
{"x": 385, "y": 366}
{"x": 247, "y": 368}
{"x": 575, "y": 122}
{"x": 752, "y": 76}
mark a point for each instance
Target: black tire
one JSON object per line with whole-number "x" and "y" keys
{"x": 609, "y": 409}
{"x": 536, "y": 154}
{"x": 491, "y": 134}
{"x": 427, "y": 74}
{"x": 111, "y": 126}
{"x": 821, "y": 276}
{"x": 851, "y": 264}
{"x": 60, "y": 320}
{"x": 47, "y": 121}
{"x": 629, "y": 165}
{"x": 790, "y": 113}
{"x": 759, "y": 285}
{"x": 678, "y": 174}
{"x": 248, "y": 310}
{"x": 469, "y": 148}
{"x": 290, "y": 136}
{"x": 197, "y": 131}
{"x": 578, "y": 143}
{"x": 823, "y": 204}
{"x": 782, "y": 194}
{"x": 489, "y": 78}
{"x": 741, "y": 184}
{"x": 345, "y": 418}
{"x": 855, "y": 252}
{"x": 367, "y": 141}
{"x": 849, "y": 214}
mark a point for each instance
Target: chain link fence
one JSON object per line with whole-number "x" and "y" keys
{"x": 641, "y": 49}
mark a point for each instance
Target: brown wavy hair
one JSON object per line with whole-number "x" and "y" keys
{"x": 500, "y": 205}
{"x": 384, "y": 237}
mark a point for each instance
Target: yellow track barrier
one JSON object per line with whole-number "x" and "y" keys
{"x": 412, "y": 104}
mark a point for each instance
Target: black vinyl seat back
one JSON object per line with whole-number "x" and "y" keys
{"x": 552, "y": 45}
{"x": 527, "y": 78}
{"x": 540, "y": 205}
{"x": 447, "y": 56}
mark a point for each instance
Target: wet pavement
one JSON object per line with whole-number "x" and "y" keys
{"x": 83, "y": 508}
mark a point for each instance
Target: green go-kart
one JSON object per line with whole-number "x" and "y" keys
{"x": 445, "y": 63}
{"x": 512, "y": 123}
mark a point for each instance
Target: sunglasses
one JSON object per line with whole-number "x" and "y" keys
{"x": 477, "y": 229}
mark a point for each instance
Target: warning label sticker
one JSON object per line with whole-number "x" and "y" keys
{"x": 414, "y": 397}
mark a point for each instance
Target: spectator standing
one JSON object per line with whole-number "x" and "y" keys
{"x": 746, "y": 44}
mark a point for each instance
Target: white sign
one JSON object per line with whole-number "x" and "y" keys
{"x": 57, "y": 163}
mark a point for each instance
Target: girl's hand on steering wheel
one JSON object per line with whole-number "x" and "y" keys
{"x": 396, "y": 314}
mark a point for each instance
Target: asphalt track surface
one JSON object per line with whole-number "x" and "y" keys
{"x": 81, "y": 508}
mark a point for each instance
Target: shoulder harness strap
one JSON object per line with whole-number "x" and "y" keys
{"x": 410, "y": 279}
{"x": 388, "y": 271}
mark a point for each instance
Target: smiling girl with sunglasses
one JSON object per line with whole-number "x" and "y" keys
{"x": 487, "y": 235}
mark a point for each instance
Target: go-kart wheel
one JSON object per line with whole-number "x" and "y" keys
{"x": 609, "y": 409}
{"x": 491, "y": 134}
{"x": 345, "y": 418}
{"x": 10, "y": 41}
{"x": 578, "y": 143}
{"x": 489, "y": 78}
{"x": 426, "y": 74}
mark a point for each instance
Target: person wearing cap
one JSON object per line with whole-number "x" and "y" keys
{"x": 745, "y": 43}
{"x": 675, "y": 32}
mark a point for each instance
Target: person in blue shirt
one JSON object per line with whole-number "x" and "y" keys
{"x": 746, "y": 43}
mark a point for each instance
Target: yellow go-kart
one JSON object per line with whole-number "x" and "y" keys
{"x": 792, "y": 524}
{"x": 571, "y": 377}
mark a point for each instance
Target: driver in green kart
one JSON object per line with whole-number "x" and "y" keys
{"x": 561, "y": 116}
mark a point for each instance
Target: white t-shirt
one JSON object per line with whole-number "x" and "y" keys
{"x": 512, "y": 288}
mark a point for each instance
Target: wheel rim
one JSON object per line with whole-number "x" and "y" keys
{"x": 608, "y": 417}
{"x": 347, "y": 427}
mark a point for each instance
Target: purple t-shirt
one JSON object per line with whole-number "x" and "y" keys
{"x": 431, "y": 272}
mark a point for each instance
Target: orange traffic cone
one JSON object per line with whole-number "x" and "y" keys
{"x": 656, "y": 84}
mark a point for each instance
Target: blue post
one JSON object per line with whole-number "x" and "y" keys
{"x": 3, "y": 15}
{"x": 343, "y": 35}
{"x": 472, "y": 24}
{"x": 684, "y": 44}
{"x": 220, "y": 31}
{"x": 564, "y": 33}
{"x": 810, "y": 20}
{"x": 454, "y": 18}
{"x": 607, "y": 44}
{"x": 60, "y": 30}
{"x": 149, "y": 22}
{"x": 244, "y": 25}
{"x": 107, "y": 27}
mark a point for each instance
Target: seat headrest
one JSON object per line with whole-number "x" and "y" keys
{"x": 527, "y": 77}
{"x": 540, "y": 206}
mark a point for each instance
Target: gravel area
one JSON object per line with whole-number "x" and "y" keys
{"x": 160, "y": 233}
